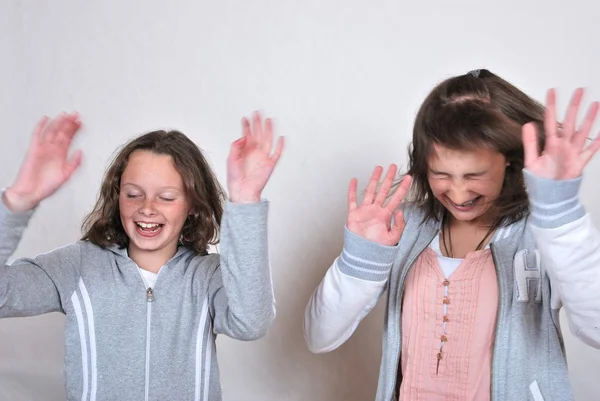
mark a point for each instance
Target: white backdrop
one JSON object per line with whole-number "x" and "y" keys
{"x": 343, "y": 80}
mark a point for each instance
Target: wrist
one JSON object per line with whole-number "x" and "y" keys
{"x": 17, "y": 203}
{"x": 244, "y": 198}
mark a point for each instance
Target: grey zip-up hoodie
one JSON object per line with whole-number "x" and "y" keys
{"x": 534, "y": 283}
{"x": 126, "y": 343}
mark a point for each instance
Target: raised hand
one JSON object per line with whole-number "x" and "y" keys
{"x": 252, "y": 160}
{"x": 565, "y": 153}
{"x": 372, "y": 220}
{"x": 46, "y": 166}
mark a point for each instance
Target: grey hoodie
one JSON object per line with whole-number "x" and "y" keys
{"x": 528, "y": 355}
{"x": 126, "y": 343}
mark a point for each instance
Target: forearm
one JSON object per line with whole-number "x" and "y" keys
{"x": 245, "y": 305}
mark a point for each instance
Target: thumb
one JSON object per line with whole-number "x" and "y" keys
{"x": 398, "y": 226}
{"x": 72, "y": 164}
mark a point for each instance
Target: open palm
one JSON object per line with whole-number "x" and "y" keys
{"x": 46, "y": 166}
{"x": 565, "y": 153}
{"x": 372, "y": 219}
{"x": 252, "y": 160}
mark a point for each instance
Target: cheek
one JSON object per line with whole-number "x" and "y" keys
{"x": 439, "y": 186}
{"x": 178, "y": 213}
{"x": 126, "y": 208}
{"x": 489, "y": 188}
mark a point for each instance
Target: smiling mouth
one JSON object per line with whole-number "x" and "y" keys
{"x": 467, "y": 204}
{"x": 149, "y": 227}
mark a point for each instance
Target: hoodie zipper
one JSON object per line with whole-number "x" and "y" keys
{"x": 149, "y": 292}
{"x": 149, "y": 299}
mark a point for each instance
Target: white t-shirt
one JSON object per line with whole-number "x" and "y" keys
{"x": 447, "y": 264}
{"x": 149, "y": 277}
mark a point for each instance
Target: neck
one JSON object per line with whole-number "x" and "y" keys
{"x": 472, "y": 235}
{"x": 151, "y": 261}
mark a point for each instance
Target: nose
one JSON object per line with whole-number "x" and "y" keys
{"x": 147, "y": 208}
{"x": 459, "y": 193}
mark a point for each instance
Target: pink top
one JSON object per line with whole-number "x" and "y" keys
{"x": 448, "y": 328}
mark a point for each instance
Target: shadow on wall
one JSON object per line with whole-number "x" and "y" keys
{"x": 31, "y": 366}
{"x": 24, "y": 386}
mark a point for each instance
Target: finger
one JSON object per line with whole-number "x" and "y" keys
{"x": 257, "y": 129}
{"x": 278, "y": 150}
{"x": 237, "y": 148}
{"x": 74, "y": 116}
{"x": 39, "y": 128}
{"x": 352, "y": 195}
{"x": 550, "y": 117}
{"x": 398, "y": 196}
{"x": 398, "y": 226}
{"x": 582, "y": 135}
{"x": 267, "y": 140}
{"x": 590, "y": 151}
{"x": 66, "y": 129}
{"x": 50, "y": 129}
{"x": 388, "y": 181}
{"x": 72, "y": 165}
{"x": 61, "y": 130}
{"x": 530, "y": 144}
{"x": 246, "y": 127}
{"x": 571, "y": 117}
{"x": 371, "y": 188}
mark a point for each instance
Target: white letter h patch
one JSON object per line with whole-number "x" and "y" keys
{"x": 528, "y": 276}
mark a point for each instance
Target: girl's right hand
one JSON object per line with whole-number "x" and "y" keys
{"x": 372, "y": 220}
{"x": 46, "y": 166}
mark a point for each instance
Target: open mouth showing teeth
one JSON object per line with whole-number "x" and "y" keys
{"x": 469, "y": 203}
{"x": 149, "y": 227}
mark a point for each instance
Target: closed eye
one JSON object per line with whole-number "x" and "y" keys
{"x": 474, "y": 175}
{"x": 438, "y": 174}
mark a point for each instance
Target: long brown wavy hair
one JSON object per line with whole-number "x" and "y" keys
{"x": 473, "y": 111}
{"x": 204, "y": 193}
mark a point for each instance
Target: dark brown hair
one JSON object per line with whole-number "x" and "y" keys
{"x": 205, "y": 195}
{"x": 473, "y": 111}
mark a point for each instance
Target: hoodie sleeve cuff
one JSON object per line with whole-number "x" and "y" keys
{"x": 11, "y": 219}
{"x": 554, "y": 203}
{"x": 364, "y": 259}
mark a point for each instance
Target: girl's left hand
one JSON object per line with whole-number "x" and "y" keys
{"x": 565, "y": 153}
{"x": 252, "y": 160}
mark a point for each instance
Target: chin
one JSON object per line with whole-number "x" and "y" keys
{"x": 148, "y": 244}
{"x": 469, "y": 216}
{"x": 148, "y": 248}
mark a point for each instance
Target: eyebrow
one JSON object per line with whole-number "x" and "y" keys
{"x": 168, "y": 188}
{"x": 475, "y": 174}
